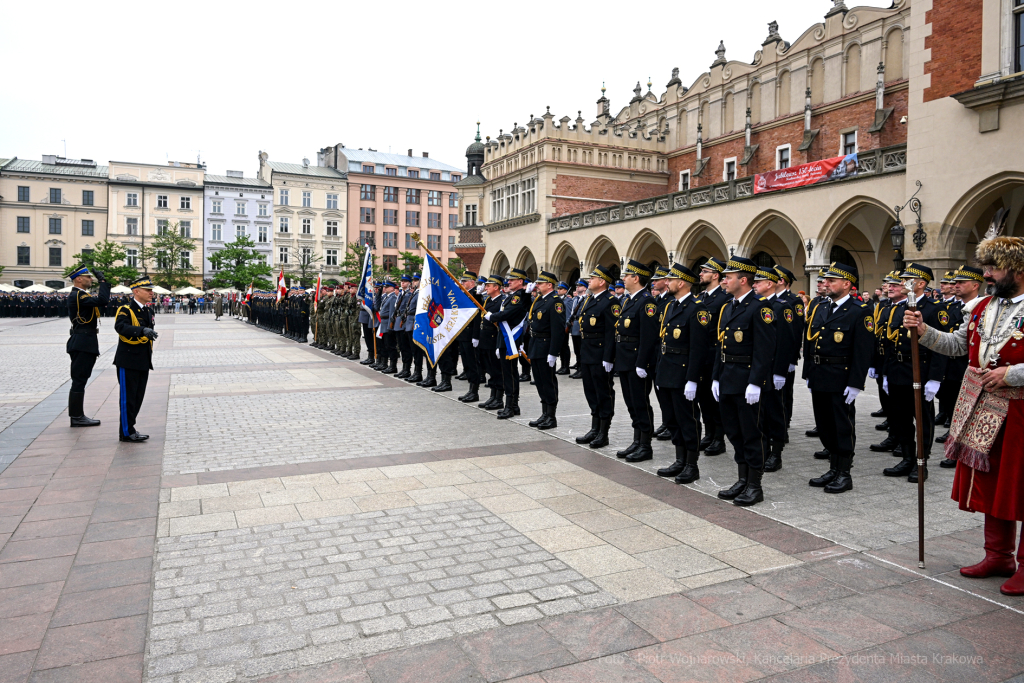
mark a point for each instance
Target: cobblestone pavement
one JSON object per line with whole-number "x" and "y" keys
{"x": 260, "y": 536}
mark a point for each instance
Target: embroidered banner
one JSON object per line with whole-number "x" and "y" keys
{"x": 806, "y": 174}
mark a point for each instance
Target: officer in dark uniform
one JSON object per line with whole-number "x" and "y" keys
{"x": 819, "y": 298}
{"x": 895, "y": 292}
{"x": 134, "y": 356}
{"x": 598, "y": 314}
{"x": 662, "y": 297}
{"x": 843, "y": 337}
{"x": 636, "y": 349}
{"x": 388, "y": 314}
{"x": 899, "y": 376}
{"x": 511, "y": 311}
{"x": 743, "y": 370}
{"x": 713, "y": 298}
{"x": 686, "y": 339}
{"x": 547, "y": 329}
{"x": 784, "y": 294}
{"x": 956, "y": 367}
{"x": 765, "y": 281}
{"x": 83, "y": 346}
{"x": 969, "y": 283}
{"x": 489, "y": 344}
{"x": 469, "y": 341}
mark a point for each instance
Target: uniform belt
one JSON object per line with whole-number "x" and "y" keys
{"x": 831, "y": 360}
{"x": 540, "y": 335}
{"x": 623, "y": 338}
{"x": 74, "y": 331}
{"x": 685, "y": 350}
{"x": 736, "y": 359}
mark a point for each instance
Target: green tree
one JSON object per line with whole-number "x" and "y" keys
{"x": 411, "y": 262}
{"x": 238, "y": 264}
{"x": 167, "y": 253}
{"x": 104, "y": 259}
{"x": 352, "y": 265}
{"x": 307, "y": 266}
{"x": 456, "y": 267}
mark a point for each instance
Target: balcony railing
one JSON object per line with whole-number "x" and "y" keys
{"x": 873, "y": 163}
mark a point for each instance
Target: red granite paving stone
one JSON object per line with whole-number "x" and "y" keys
{"x": 343, "y": 671}
{"x": 12, "y": 482}
{"x": 860, "y": 573}
{"x": 131, "y": 496}
{"x": 133, "y": 471}
{"x": 91, "y": 642}
{"x": 77, "y": 472}
{"x": 75, "y": 459}
{"x": 588, "y": 635}
{"x": 797, "y": 676}
{"x": 17, "y": 667}
{"x": 738, "y": 601}
{"x": 531, "y": 678}
{"x": 900, "y": 609}
{"x": 56, "y": 496}
{"x": 30, "y": 469}
{"x": 800, "y": 586}
{"x": 962, "y": 604}
{"x": 85, "y": 482}
{"x": 34, "y": 599}
{"x": 9, "y": 524}
{"x": 28, "y": 531}
{"x": 827, "y": 552}
{"x": 785, "y": 539}
{"x": 15, "y": 508}
{"x": 130, "y": 484}
{"x": 117, "y": 670}
{"x": 440, "y": 662}
{"x": 504, "y": 653}
{"x": 21, "y": 634}
{"x": 176, "y": 480}
{"x": 999, "y": 631}
{"x": 40, "y": 548}
{"x": 3, "y": 539}
{"x": 108, "y": 575}
{"x": 695, "y": 658}
{"x": 614, "y": 669}
{"x": 839, "y": 629}
{"x": 110, "y": 512}
{"x": 40, "y": 513}
{"x": 34, "y": 571}
{"x": 121, "y": 549}
{"x": 101, "y": 605}
{"x": 771, "y": 646}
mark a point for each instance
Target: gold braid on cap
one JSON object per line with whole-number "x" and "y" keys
{"x": 736, "y": 265}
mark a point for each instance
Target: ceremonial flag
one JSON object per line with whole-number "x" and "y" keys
{"x": 512, "y": 335}
{"x": 365, "y": 290}
{"x": 316, "y": 294}
{"x": 248, "y": 293}
{"x": 282, "y": 289}
{"x": 443, "y": 309}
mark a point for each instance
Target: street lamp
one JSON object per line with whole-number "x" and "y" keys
{"x": 896, "y": 234}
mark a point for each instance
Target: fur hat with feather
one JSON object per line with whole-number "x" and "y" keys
{"x": 1005, "y": 253}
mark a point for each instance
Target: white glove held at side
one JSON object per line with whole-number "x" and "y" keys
{"x": 779, "y": 381}
{"x": 931, "y": 387}
{"x": 487, "y": 316}
{"x": 476, "y": 343}
{"x": 552, "y": 360}
{"x": 792, "y": 368}
{"x": 641, "y": 373}
{"x": 872, "y": 373}
{"x": 497, "y": 353}
{"x": 885, "y": 384}
{"x": 753, "y": 394}
{"x": 714, "y": 389}
{"x": 690, "y": 391}
{"x": 607, "y": 366}
{"x": 851, "y": 394}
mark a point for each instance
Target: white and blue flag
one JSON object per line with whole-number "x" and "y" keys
{"x": 511, "y": 336}
{"x": 443, "y": 309}
{"x": 365, "y": 290}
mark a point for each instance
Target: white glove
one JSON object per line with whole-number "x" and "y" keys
{"x": 779, "y": 381}
{"x": 931, "y": 387}
{"x": 851, "y": 395}
{"x": 522, "y": 350}
{"x": 808, "y": 382}
{"x": 885, "y": 384}
{"x": 487, "y": 316}
{"x": 530, "y": 287}
{"x": 641, "y": 373}
{"x": 607, "y": 366}
{"x": 690, "y": 391}
{"x": 792, "y": 368}
{"x": 497, "y": 353}
{"x": 552, "y": 360}
{"x": 714, "y": 389}
{"x": 476, "y": 343}
{"x": 872, "y": 373}
{"x": 753, "y": 394}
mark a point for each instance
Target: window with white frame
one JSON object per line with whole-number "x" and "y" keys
{"x": 131, "y": 199}
{"x": 332, "y": 201}
{"x": 213, "y": 263}
{"x": 282, "y": 224}
{"x": 186, "y": 260}
{"x": 729, "y": 169}
{"x": 185, "y": 228}
{"x": 239, "y": 208}
{"x": 283, "y": 198}
{"x": 131, "y": 258}
{"x": 185, "y": 203}
{"x": 684, "y": 181}
{"x": 306, "y": 255}
{"x": 161, "y": 201}
{"x": 307, "y": 198}
{"x": 261, "y": 233}
{"x": 215, "y": 232}
{"x": 496, "y": 205}
{"x": 239, "y": 230}
{"x": 332, "y": 229}
{"x": 161, "y": 226}
{"x": 307, "y": 226}
{"x": 331, "y": 257}
{"x": 131, "y": 226}
{"x": 451, "y": 242}
{"x": 215, "y": 206}
{"x": 282, "y": 255}
{"x": 262, "y": 211}
{"x": 782, "y": 158}
{"x": 471, "y": 214}
{"x": 849, "y": 143}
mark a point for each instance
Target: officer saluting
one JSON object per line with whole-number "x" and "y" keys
{"x": 636, "y": 338}
{"x": 743, "y": 370}
{"x": 134, "y": 356}
{"x": 83, "y": 347}
{"x": 842, "y": 340}
{"x": 547, "y": 332}
{"x": 597, "y": 353}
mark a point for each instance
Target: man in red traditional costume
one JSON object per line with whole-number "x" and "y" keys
{"x": 986, "y": 438}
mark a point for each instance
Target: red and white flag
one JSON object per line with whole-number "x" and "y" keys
{"x": 282, "y": 289}
{"x": 316, "y": 294}
{"x": 248, "y": 294}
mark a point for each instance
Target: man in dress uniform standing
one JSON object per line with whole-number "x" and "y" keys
{"x": 597, "y": 317}
{"x": 511, "y": 311}
{"x": 843, "y": 338}
{"x": 662, "y": 297}
{"x": 636, "y": 348}
{"x": 784, "y": 294}
{"x": 134, "y": 356}
{"x": 469, "y": 341}
{"x": 968, "y": 286}
{"x": 713, "y": 298}
{"x": 898, "y": 374}
{"x": 884, "y": 309}
{"x": 747, "y": 330}
{"x": 83, "y": 346}
{"x": 686, "y": 339}
{"x": 582, "y": 294}
{"x": 489, "y": 344}
{"x": 388, "y": 313}
{"x": 403, "y": 326}
{"x": 765, "y": 281}
{"x": 569, "y": 302}
{"x": 954, "y": 370}
{"x": 547, "y": 328}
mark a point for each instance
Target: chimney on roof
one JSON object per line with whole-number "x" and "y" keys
{"x": 236, "y": 174}
{"x": 52, "y": 158}
{"x": 426, "y": 155}
{"x": 410, "y": 151}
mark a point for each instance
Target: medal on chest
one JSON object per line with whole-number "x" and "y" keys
{"x": 676, "y": 332}
{"x": 540, "y": 314}
{"x": 626, "y": 322}
{"x": 738, "y": 335}
{"x": 593, "y": 322}
{"x": 838, "y": 336}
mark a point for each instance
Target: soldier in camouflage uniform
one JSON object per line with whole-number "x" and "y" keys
{"x": 354, "y": 328}
{"x": 341, "y": 323}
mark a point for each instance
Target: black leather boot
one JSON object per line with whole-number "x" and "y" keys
{"x": 406, "y": 372}
{"x": 828, "y": 477}
{"x": 631, "y": 448}
{"x": 812, "y": 432}
{"x": 882, "y": 426}
{"x": 887, "y": 445}
{"x": 486, "y": 405}
{"x": 462, "y": 376}
{"x": 675, "y": 468}
{"x": 431, "y": 380}
{"x": 414, "y": 378}
{"x": 912, "y": 477}
{"x": 942, "y": 439}
{"x": 548, "y": 421}
{"x": 947, "y": 463}
{"x": 577, "y": 375}
{"x": 562, "y": 371}
{"x": 595, "y": 424}
{"x": 717, "y": 445}
{"x": 774, "y": 461}
{"x": 753, "y": 494}
{"x": 737, "y": 488}
{"x": 706, "y": 441}
{"x": 843, "y": 481}
{"x": 510, "y": 410}
{"x": 369, "y": 361}
{"x": 660, "y": 430}
{"x": 445, "y": 385}
{"x": 543, "y": 414}
{"x": 903, "y": 468}
{"x": 471, "y": 395}
{"x": 879, "y": 413}
{"x": 823, "y": 454}
{"x": 76, "y": 411}
{"x": 601, "y": 440}
{"x": 644, "y": 452}
{"x": 690, "y": 473}
{"x": 390, "y": 369}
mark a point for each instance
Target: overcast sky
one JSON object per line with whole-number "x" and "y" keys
{"x": 221, "y": 81}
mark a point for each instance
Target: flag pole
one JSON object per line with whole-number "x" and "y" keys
{"x": 918, "y": 416}
{"x": 444, "y": 268}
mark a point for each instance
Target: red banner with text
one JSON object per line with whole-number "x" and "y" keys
{"x": 806, "y": 174}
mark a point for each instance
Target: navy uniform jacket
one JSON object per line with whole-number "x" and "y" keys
{"x": 899, "y": 367}
{"x": 636, "y": 333}
{"x": 547, "y": 327}
{"x": 134, "y": 351}
{"x": 410, "y": 303}
{"x": 747, "y": 331}
{"x": 686, "y": 343}
{"x": 84, "y": 311}
{"x": 799, "y": 320}
{"x": 597, "y": 328}
{"x": 714, "y": 302}
{"x": 956, "y": 366}
{"x": 808, "y": 346}
{"x": 840, "y": 346}
{"x": 787, "y": 341}
{"x": 387, "y": 310}
{"x": 512, "y": 310}
{"x": 579, "y": 301}
{"x": 880, "y": 316}
{"x": 488, "y": 330}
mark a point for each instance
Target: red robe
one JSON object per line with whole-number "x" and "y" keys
{"x": 1000, "y": 491}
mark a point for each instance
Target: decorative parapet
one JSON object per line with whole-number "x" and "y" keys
{"x": 512, "y": 222}
{"x": 873, "y": 163}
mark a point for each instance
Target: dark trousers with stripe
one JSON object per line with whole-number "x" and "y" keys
{"x": 469, "y": 358}
{"x": 82, "y": 363}
{"x": 597, "y": 387}
{"x": 902, "y": 420}
{"x": 744, "y": 425}
{"x": 774, "y": 415}
{"x": 547, "y": 382}
{"x": 636, "y": 392}
{"x": 836, "y": 421}
{"x": 684, "y": 419}
{"x": 132, "y": 392}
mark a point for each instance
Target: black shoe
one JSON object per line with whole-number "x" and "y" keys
{"x": 548, "y": 420}
{"x": 429, "y": 382}
{"x": 498, "y": 403}
{"x": 842, "y": 482}
{"x": 470, "y": 396}
{"x": 562, "y": 371}
{"x": 878, "y": 413}
{"x": 941, "y": 417}
{"x": 631, "y": 448}
{"x": 912, "y": 477}
{"x": 601, "y": 440}
{"x": 462, "y": 377}
{"x": 390, "y": 370}
{"x": 705, "y": 442}
{"x": 576, "y": 375}
{"x": 898, "y": 451}
{"x": 418, "y": 377}
{"x": 903, "y": 468}
{"x": 947, "y": 463}
{"x": 77, "y": 413}
{"x": 675, "y": 468}
{"x": 406, "y": 372}
{"x": 882, "y": 426}
{"x": 543, "y": 414}
{"x": 660, "y": 430}
{"x": 83, "y": 421}
{"x": 717, "y": 447}
{"x": 690, "y": 473}
{"x": 644, "y": 452}
{"x": 510, "y": 410}
{"x": 737, "y": 488}
{"x": 665, "y": 435}
{"x": 132, "y": 438}
{"x": 823, "y": 454}
{"x": 812, "y": 432}
{"x": 525, "y": 377}
{"x": 774, "y": 461}
{"x": 445, "y": 385}
{"x": 827, "y": 478}
{"x": 886, "y": 446}
{"x": 140, "y": 436}
{"x": 753, "y": 493}
{"x": 368, "y": 361}
{"x": 948, "y": 423}
{"x": 943, "y": 438}
{"x": 595, "y": 424}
